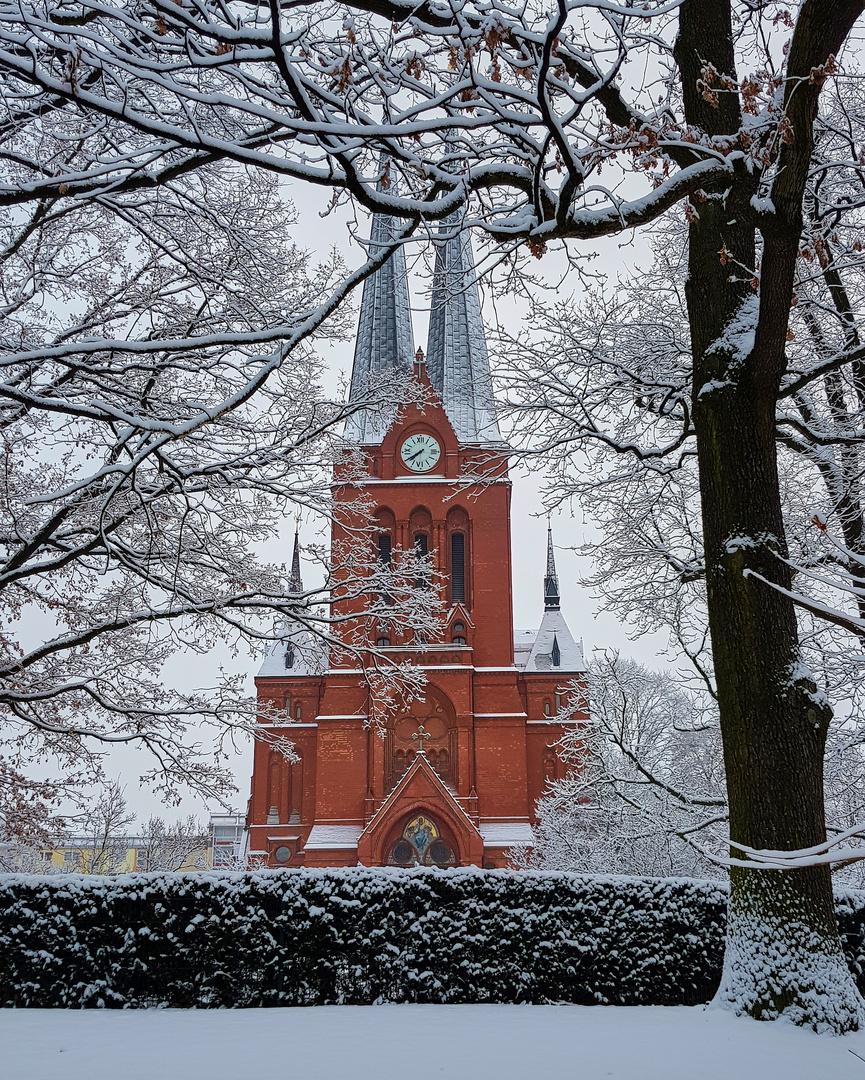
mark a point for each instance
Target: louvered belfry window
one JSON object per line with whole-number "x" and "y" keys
{"x": 384, "y": 557}
{"x": 458, "y": 568}
{"x": 421, "y": 546}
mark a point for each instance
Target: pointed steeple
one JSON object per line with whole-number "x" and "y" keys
{"x": 384, "y": 333}
{"x": 457, "y": 359}
{"x": 295, "y": 582}
{"x": 554, "y": 647}
{"x": 551, "y": 578}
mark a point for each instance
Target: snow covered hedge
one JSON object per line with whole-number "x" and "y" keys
{"x": 357, "y": 936}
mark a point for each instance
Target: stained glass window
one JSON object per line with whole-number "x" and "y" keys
{"x": 421, "y": 844}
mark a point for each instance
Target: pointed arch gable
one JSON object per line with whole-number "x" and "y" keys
{"x": 420, "y": 791}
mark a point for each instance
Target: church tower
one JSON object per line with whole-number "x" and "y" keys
{"x": 452, "y": 779}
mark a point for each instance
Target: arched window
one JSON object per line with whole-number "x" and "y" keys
{"x": 458, "y": 639}
{"x": 382, "y": 642}
{"x": 546, "y": 708}
{"x": 385, "y": 522}
{"x": 458, "y": 568}
{"x": 297, "y": 711}
{"x": 556, "y": 655}
{"x": 421, "y": 844}
{"x": 421, "y": 547}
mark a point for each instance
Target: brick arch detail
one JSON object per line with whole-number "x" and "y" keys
{"x": 436, "y": 705}
{"x": 375, "y": 844}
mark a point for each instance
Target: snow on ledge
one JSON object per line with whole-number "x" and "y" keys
{"x": 507, "y": 834}
{"x": 328, "y": 837}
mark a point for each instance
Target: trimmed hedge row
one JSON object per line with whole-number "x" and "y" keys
{"x": 359, "y": 936}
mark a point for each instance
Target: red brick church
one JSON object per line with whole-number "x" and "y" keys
{"x": 451, "y": 780}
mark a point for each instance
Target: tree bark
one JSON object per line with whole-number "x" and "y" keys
{"x": 783, "y": 953}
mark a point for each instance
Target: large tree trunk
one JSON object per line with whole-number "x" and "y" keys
{"x": 783, "y": 953}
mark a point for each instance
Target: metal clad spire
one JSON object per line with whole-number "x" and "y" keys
{"x": 295, "y": 582}
{"x": 551, "y": 578}
{"x": 384, "y": 334}
{"x": 457, "y": 361}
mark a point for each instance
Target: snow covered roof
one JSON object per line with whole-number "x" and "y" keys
{"x": 308, "y": 655}
{"x": 507, "y": 834}
{"x": 384, "y": 334}
{"x": 458, "y": 364}
{"x": 554, "y": 642}
{"x": 298, "y": 651}
{"x": 457, "y": 361}
{"x": 325, "y": 837}
{"x": 523, "y": 642}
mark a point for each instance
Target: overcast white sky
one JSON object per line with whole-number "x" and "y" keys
{"x": 528, "y": 523}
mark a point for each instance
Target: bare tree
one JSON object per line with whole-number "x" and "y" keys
{"x": 171, "y": 846}
{"x": 102, "y": 841}
{"x": 704, "y": 104}
{"x": 644, "y": 792}
{"x": 645, "y": 779}
{"x": 160, "y": 412}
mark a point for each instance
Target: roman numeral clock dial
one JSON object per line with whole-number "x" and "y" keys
{"x": 420, "y": 452}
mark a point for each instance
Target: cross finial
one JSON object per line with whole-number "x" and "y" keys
{"x": 420, "y": 735}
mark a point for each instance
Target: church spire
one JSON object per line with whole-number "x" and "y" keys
{"x": 295, "y": 582}
{"x": 384, "y": 333}
{"x": 457, "y": 360}
{"x": 551, "y": 578}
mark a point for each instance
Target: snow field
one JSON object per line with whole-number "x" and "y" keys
{"x": 418, "y": 1042}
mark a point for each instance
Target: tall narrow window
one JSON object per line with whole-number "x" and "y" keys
{"x": 421, "y": 547}
{"x": 458, "y": 568}
{"x": 556, "y": 655}
{"x": 289, "y": 657}
{"x": 384, "y": 551}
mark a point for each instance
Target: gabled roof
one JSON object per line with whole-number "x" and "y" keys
{"x": 457, "y": 359}
{"x": 420, "y": 787}
{"x": 420, "y": 764}
{"x": 555, "y": 637}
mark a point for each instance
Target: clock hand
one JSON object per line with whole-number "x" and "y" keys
{"x": 417, "y": 453}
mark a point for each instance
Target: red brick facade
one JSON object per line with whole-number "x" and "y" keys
{"x": 361, "y": 795}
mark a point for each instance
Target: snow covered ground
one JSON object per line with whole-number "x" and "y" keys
{"x": 418, "y": 1042}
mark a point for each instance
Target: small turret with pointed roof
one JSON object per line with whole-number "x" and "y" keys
{"x": 553, "y": 647}
{"x": 551, "y": 578}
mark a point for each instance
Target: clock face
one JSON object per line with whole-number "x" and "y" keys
{"x": 420, "y": 452}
